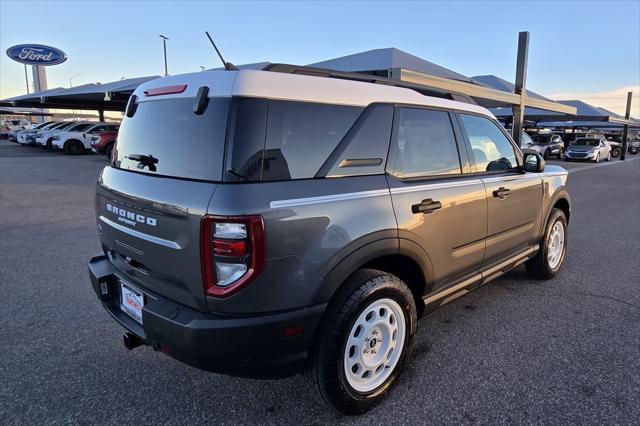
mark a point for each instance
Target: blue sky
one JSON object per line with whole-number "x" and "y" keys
{"x": 586, "y": 49}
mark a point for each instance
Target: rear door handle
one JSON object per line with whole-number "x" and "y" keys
{"x": 427, "y": 206}
{"x": 502, "y": 193}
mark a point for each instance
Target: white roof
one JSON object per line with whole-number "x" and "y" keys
{"x": 294, "y": 87}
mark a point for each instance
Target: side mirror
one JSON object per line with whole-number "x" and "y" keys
{"x": 533, "y": 163}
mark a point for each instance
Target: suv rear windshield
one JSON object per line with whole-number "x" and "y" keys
{"x": 184, "y": 144}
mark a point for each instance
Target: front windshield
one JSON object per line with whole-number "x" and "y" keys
{"x": 79, "y": 127}
{"x": 541, "y": 139}
{"x": 587, "y": 142}
{"x": 526, "y": 140}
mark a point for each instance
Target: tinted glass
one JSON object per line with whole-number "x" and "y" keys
{"x": 79, "y": 127}
{"x": 246, "y": 138}
{"x": 525, "y": 139}
{"x": 60, "y": 125}
{"x": 301, "y": 136}
{"x": 366, "y": 144}
{"x": 542, "y": 139}
{"x": 98, "y": 129}
{"x": 587, "y": 142}
{"x": 184, "y": 144}
{"x": 492, "y": 150}
{"x": 425, "y": 143}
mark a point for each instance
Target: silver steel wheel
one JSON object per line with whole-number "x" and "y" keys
{"x": 556, "y": 245}
{"x": 374, "y": 345}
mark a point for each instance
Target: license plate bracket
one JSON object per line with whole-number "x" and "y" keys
{"x": 131, "y": 302}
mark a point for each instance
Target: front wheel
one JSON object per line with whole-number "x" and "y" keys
{"x": 597, "y": 159}
{"x": 553, "y": 248}
{"x": 546, "y": 155}
{"x": 608, "y": 156}
{"x": 364, "y": 341}
{"x": 75, "y": 148}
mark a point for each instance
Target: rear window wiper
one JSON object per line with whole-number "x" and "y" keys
{"x": 144, "y": 161}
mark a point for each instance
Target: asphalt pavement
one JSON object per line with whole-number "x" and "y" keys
{"x": 515, "y": 351}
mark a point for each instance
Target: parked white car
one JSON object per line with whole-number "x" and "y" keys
{"x": 21, "y": 135}
{"x": 78, "y": 141}
{"x": 43, "y": 136}
{"x": 69, "y": 132}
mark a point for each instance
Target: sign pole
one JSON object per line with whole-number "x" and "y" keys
{"x": 26, "y": 78}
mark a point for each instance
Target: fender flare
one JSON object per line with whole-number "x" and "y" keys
{"x": 361, "y": 254}
{"x": 560, "y": 194}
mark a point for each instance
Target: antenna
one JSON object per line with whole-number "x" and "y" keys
{"x": 227, "y": 65}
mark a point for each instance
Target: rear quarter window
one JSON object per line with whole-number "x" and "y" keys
{"x": 301, "y": 136}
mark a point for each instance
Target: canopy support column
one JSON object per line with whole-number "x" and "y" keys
{"x": 625, "y": 131}
{"x": 520, "y": 89}
{"x": 101, "y": 114}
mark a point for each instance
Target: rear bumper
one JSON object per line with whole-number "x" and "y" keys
{"x": 247, "y": 346}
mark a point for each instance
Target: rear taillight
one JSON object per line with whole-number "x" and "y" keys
{"x": 233, "y": 252}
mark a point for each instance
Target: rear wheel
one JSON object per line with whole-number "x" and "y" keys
{"x": 364, "y": 341}
{"x": 74, "y": 148}
{"x": 615, "y": 152}
{"x": 108, "y": 150}
{"x": 553, "y": 248}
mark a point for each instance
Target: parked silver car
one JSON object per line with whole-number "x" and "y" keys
{"x": 592, "y": 149}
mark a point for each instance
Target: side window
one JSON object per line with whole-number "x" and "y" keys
{"x": 301, "y": 136}
{"x": 425, "y": 143}
{"x": 97, "y": 129}
{"x": 248, "y": 123}
{"x": 367, "y": 144}
{"x": 492, "y": 150}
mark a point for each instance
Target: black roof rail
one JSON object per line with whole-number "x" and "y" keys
{"x": 368, "y": 77}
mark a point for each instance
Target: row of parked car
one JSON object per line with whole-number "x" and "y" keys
{"x": 583, "y": 147}
{"x": 72, "y": 137}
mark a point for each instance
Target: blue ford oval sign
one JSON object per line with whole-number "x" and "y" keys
{"x": 36, "y": 54}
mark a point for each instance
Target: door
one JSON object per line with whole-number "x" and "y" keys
{"x": 514, "y": 198}
{"x": 436, "y": 205}
{"x": 556, "y": 145}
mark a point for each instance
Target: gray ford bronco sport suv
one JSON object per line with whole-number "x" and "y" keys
{"x": 265, "y": 223}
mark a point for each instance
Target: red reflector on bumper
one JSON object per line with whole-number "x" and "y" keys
{"x": 293, "y": 331}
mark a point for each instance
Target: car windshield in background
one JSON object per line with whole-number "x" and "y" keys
{"x": 587, "y": 142}
{"x": 165, "y": 137}
{"x": 541, "y": 139}
{"x": 80, "y": 127}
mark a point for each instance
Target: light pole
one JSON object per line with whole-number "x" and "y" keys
{"x": 164, "y": 45}
{"x": 72, "y": 77}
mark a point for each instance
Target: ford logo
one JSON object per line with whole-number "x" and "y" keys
{"x": 36, "y": 54}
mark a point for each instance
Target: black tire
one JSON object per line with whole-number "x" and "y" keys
{"x": 546, "y": 155}
{"x": 561, "y": 154}
{"x": 108, "y": 150}
{"x": 615, "y": 152}
{"x": 326, "y": 373}
{"x": 538, "y": 266}
{"x": 597, "y": 159}
{"x": 567, "y": 159}
{"x": 74, "y": 148}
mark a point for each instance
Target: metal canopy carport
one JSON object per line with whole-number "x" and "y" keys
{"x": 398, "y": 65}
{"x": 94, "y": 96}
{"x": 584, "y": 112}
